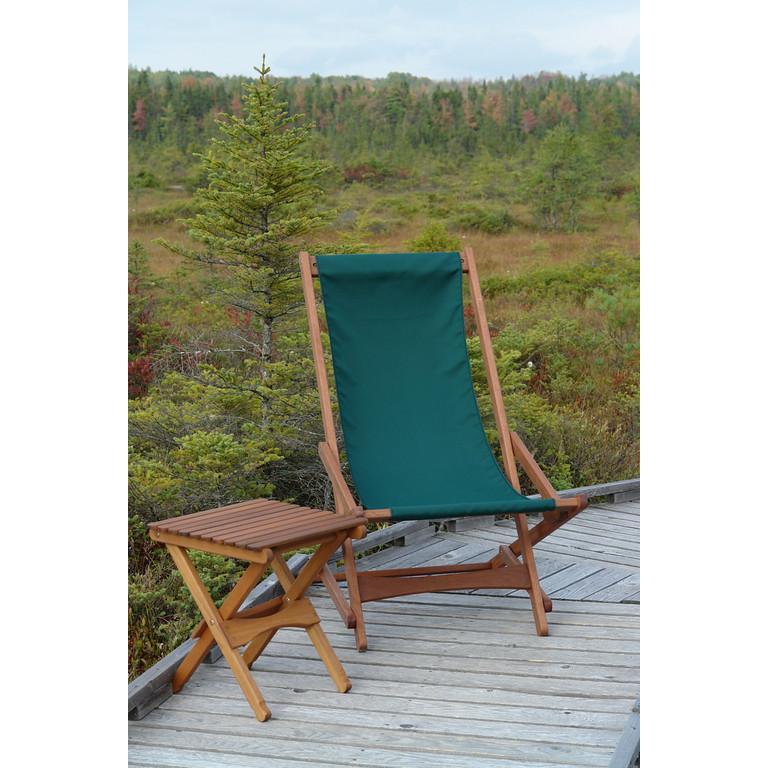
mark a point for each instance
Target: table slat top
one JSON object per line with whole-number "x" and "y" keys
{"x": 257, "y": 524}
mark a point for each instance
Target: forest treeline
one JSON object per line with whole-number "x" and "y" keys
{"x": 397, "y": 119}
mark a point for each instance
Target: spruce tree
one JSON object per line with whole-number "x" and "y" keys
{"x": 262, "y": 197}
{"x": 561, "y": 178}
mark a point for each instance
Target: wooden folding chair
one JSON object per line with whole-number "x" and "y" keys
{"x": 412, "y": 429}
{"x": 258, "y": 532}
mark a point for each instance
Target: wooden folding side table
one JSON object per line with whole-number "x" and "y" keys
{"x": 260, "y": 532}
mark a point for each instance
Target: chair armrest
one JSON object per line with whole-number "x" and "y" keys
{"x": 341, "y": 490}
{"x": 574, "y": 503}
{"x": 536, "y": 475}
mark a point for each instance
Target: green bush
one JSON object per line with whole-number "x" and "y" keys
{"x": 607, "y": 272}
{"x": 434, "y": 238}
{"x": 181, "y": 210}
{"x": 441, "y": 205}
{"x": 406, "y": 207}
{"x": 144, "y": 179}
{"x": 621, "y": 308}
{"x": 373, "y": 171}
{"x": 194, "y": 447}
{"x": 482, "y": 219}
{"x": 576, "y": 448}
{"x": 369, "y": 224}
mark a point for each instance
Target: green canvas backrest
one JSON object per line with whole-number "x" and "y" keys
{"x": 412, "y": 429}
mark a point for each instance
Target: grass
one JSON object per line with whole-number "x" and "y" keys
{"x": 143, "y": 201}
{"x": 386, "y": 219}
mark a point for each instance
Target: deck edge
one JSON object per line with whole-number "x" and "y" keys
{"x": 628, "y": 748}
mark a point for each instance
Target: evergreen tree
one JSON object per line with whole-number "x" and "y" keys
{"x": 562, "y": 177}
{"x": 262, "y": 198}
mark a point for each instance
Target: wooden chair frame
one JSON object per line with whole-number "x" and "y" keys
{"x": 254, "y": 627}
{"x": 514, "y": 567}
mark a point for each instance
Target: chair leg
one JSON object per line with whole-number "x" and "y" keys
{"x": 537, "y": 600}
{"x": 505, "y": 553}
{"x": 337, "y": 596}
{"x": 540, "y": 531}
{"x": 361, "y": 638}
{"x": 214, "y": 621}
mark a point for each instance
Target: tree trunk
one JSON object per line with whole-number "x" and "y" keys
{"x": 267, "y": 346}
{"x": 267, "y": 352}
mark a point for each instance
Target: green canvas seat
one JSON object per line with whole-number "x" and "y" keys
{"x": 412, "y": 428}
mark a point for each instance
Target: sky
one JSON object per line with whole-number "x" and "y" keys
{"x": 440, "y": 39}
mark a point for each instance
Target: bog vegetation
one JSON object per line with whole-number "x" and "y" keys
{"x": 539, "y": 175}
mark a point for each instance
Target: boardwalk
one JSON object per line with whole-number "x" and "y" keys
{"x": 454, "y": 680}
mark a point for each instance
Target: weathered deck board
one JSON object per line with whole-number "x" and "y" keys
{"x": 388, "y": 714}
{"x": 390, "y": 734}
{"x": 582, "y": 590}
{"x": 455, "y": 679}
{"x": 410, "y": 699}
{"x": 557, "y": 546}
{"x": 622, "y": 590}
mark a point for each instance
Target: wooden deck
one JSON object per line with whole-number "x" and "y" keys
{"x": 450, "y": 680}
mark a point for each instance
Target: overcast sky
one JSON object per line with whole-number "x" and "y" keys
{"x": 432, "y": 38}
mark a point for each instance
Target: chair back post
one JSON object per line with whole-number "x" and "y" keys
{"x": 326, "y": 411}
{"x": 492, "y": 374}
{"x": 321, "y": 374}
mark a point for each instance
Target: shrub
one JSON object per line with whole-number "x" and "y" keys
{"x": 144, "y": 180}
{"x": 434, "y": 237}
{"x": 621, "y": 308}
{"x": 367, "y": 223}
{"x": 203, "y": 469}
{"x": 608, "y": 272}
{"x": 163, "y": 215}
{"x": 489, "y": 220}
{"x": 372, "y": 172}
{"x": 595, "y": 451}
{"x": 403, "y": 206}
{"x": 441, "y": 205}
{"x": 140, "y": 376}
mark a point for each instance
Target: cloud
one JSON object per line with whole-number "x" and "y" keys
{"x": 448, "y": 39}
